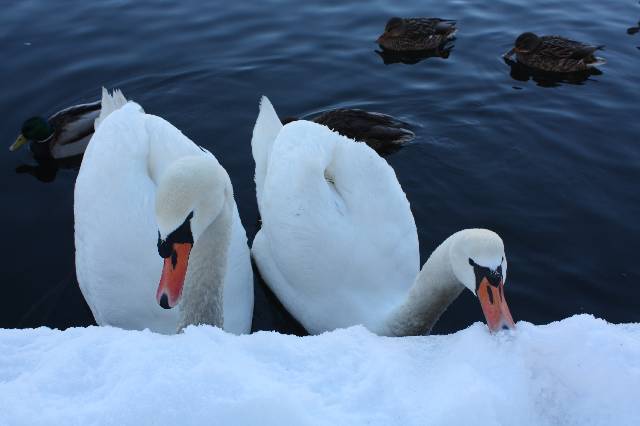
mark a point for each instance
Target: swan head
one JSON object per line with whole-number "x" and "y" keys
{"x": 191, "y": 194}
{"x": 479, "y": 263}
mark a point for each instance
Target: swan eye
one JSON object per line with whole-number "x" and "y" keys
{"x": 472, "y": 263}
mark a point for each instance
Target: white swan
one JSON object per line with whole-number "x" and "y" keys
{"x": 145, "y": 188}
{"x": 338, "y": 243}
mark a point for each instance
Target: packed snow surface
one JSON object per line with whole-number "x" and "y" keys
{"x": 579, "y": 371}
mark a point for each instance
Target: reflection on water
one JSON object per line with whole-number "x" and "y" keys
{"x": 413, "y": 57}
{"x": 47, "y": 170}
{"x": 521, "y": 72}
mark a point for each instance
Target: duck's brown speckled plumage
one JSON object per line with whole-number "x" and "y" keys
{"x": 558, "y": 54}
{"x": 411, "y": 34}
{"x": 381, "y": 132}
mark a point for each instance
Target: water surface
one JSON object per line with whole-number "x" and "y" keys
{"x": 553, "y": 167}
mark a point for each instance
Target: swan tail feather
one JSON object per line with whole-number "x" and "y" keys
{"x": 110, "y": 103}
{"x": 265, "y": 131}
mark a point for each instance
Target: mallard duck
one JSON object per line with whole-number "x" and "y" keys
{"x": 381, "y": 132}
{"x": 65, "y": 134}
{"x": 554, "y": 53}
{"x": 405, "y": 34}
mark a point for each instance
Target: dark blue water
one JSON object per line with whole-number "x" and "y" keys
{"x": 552, "y": 166}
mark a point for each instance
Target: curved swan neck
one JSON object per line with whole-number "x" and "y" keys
{"x": 202, "y": 296}
{"x": 434, "y": 289}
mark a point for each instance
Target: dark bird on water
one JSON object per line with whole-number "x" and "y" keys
{"x": 555, "y": 53}
{"x": 63, "y": 135}
{"x": 411, "y": 34}
{"x": 383, "y": 133}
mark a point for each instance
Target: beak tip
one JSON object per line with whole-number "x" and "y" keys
{"x": 164, "y": 301}
{"x": 502, "y": 327}
{"x": 21, "y": 140}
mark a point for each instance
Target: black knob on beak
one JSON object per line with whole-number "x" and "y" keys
{"x": 164, "y": 302}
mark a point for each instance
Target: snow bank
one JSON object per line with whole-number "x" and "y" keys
{"x": 579, "y": 371}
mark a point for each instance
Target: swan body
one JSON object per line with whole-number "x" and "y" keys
{"x": 121, "y": 208}
{"x": 338, "y": 243}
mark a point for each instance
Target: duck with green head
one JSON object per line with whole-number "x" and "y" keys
{"x": 63, "y": 135}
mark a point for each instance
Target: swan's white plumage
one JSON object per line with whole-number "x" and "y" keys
{"x": 110, "y": 103}
{"x": 321, "y": 225}
{"x": 265, "y": 131}
{"x": 117, "y": 261}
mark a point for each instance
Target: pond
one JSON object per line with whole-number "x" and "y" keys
{"x": 552, "y": 165}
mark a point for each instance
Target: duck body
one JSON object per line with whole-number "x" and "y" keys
{"x": 414, "y": 34}
{"x": 338, "y": 243}
{"x": 63, "y": 135}
{"x": 555, "y": 53}
{"x": 382, "y": 132}
{"x": 116, "y": 231}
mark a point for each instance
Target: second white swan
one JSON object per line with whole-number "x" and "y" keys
{"x": 338, "y": 243}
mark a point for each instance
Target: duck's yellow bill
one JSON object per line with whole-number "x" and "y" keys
{"x": 18, "y": 143}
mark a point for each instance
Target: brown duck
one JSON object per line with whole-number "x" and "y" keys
{"x": 411, "y": 34}
{"x": 555, "y": 53}
{"x": 381, "y": 132}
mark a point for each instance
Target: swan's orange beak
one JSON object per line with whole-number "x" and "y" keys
{"x": 173, "y": 274}
{"x": 494, "y": 305}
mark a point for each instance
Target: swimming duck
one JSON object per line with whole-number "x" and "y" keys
{"x": 65, "y": 134}
{"x": 406, "y": 34}
{"x": 381, "y": 132}
{"x": 554, "y": 53}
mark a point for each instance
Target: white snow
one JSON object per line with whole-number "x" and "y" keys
{"x": 579, "y": 371}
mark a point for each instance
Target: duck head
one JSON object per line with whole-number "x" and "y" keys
{"x": 527, "y": 43}
{"x": 395, "y": 28}
{"x": 36, "y": 129}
